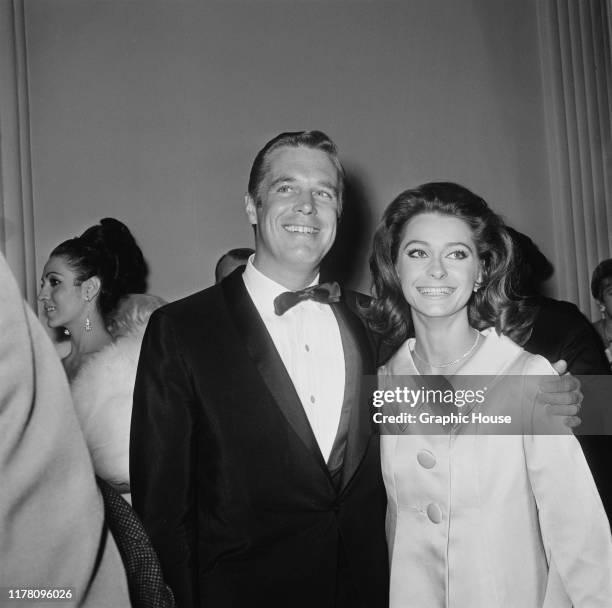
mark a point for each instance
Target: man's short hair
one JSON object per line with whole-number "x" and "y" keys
{"x": 603, "y": 271}
{"x": 240, "y": 254}
{"x": 317, "y": 140}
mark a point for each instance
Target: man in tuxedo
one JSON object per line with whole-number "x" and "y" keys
{"x": 254, "y": 463}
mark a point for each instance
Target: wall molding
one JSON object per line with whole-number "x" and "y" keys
{"x": 16, "y": 209}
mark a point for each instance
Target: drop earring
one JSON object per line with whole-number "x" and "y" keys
{"x": 88, "y": 325}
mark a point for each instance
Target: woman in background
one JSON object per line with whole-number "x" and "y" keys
{"x": 475, "y": 519}
{"x": 87, "y": 288}
{"x": 83, "y": 282}
{"x": 103, "y": 389}
{"x": 601, "y": 288}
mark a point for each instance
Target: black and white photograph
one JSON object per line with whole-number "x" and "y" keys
{"x": 306, "y": 303}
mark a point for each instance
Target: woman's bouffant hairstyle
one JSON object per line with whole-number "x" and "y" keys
{"x": 495, "y": 304}
{"x": 109, "y": 251}
{"x": 603, "y": 271}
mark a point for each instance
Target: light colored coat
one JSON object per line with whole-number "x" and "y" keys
{"x": 52, "y": 532}
{"x": 103, "y": 389}
{"x": 102, "y": 392}
{"x": 488, "y": 521}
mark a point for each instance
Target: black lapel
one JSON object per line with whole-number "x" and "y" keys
{"x": 262, "y": 351}
{"x": 360, "y": 423}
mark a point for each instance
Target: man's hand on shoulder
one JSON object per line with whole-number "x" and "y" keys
{"x": 562, "y": 395}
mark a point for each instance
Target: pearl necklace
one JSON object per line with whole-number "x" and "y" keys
{"x": 467, "y": 353}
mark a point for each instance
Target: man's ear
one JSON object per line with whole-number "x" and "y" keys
{"x": 251, "y": 209}
{"x": 91, "y": 288}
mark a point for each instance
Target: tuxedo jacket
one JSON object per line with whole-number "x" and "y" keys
{"x": 561, "y": 331}
{"x": 226, "y": 472}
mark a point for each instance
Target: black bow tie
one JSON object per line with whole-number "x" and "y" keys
{"x": 325, "y": 293}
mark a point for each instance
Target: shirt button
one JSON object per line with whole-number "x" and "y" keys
{"x": 434, "y": 513}
{"x": 312, "y": 399}
{"x": 426, "y": 459}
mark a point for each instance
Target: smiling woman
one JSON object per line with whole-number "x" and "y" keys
{"x": 440, "y": 249}
{"x": 87, "y": 288}
{"x": 83, "y": 282}
{"x": 61, "y": 293}
{"x": 438, "y": 265}
{"x": 473, "y": 519}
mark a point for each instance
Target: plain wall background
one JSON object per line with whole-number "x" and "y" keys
{"x": 152, "y": 111}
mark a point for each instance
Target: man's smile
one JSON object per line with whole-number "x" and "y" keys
{"x": 301, "y": 228}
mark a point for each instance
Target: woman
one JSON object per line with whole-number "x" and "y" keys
{"x": 474, "y": 519}
{"x": 85, "y": 289}
{"x": 601, "y": 288}
{"x": 103, "y": 389}
{"x": 83, "y": 282}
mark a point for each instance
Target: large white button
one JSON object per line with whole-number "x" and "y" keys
{"x": 426, "y": 459}
{"x": 434, "y": 513}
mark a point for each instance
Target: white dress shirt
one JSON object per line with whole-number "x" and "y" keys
{"x": 307, "y": 338}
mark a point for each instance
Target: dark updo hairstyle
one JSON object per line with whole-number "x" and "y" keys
{"x": 107, "y": 250}
{"x": 603, "y": 271}
{"x": 495, "y": 304}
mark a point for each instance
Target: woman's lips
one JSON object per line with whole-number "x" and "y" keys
{"x": 435, "y": 292}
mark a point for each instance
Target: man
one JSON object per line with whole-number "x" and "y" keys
{"x": 561, "y": 331}
{"x": 231, "y": 260}
{"x": 255, "y": 466}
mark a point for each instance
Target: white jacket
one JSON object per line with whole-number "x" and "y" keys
{"x": 491, "y": 521}
{"x": 102, "y": 392}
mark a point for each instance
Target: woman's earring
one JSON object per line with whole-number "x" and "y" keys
{"x": 602, "y": 309}
{"x": 88, "y": 325}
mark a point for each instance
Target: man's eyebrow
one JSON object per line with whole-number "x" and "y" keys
{"x": 329, "y": 186}
{"x": 282, "y": 179}
{"x": 288, "y": 179}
